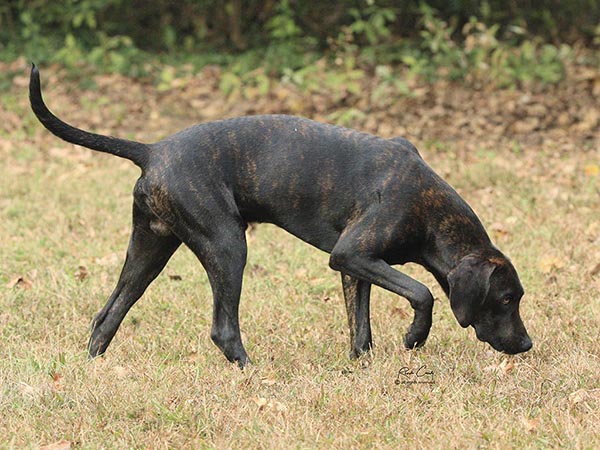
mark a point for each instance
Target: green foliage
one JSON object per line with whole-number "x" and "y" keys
{"x": 460, "y": 40}
{"x": 68, "y": 32}
{"x": 282, "y": 25}
{"x": 288, "y": 48}
{"x": 246, "y": 84}
{"x": 115, "y": 53}
{"x": 365, "y": 37}
{"x": 372, "y": 22}
{"x": 479, "y": 56}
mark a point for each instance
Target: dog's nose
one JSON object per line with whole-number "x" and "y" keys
{"x": 517, "y": 346}
{"x": 526, "y": 344}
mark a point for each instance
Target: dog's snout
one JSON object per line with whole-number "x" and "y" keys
{"x": 526, "y": 344}
{"x": 522, "y": 345}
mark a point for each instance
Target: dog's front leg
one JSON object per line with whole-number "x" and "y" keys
{"x": 346, "y": 259}
{"x": 357, "y": 295}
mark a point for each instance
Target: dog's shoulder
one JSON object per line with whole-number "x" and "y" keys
{"x": 405, "y": 144}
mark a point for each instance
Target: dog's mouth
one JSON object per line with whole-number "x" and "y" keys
{"x": 512, "y": 346}
{"x": 523, "y": 345}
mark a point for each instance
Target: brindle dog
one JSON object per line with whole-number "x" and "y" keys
{"x": 369, "y": 202}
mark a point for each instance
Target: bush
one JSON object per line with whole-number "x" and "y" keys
{"x": 431, "y": 38}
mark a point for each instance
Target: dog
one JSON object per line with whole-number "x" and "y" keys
{"x": 367, "y": 201}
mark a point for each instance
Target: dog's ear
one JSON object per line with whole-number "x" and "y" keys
{"x": 469, "y": 284}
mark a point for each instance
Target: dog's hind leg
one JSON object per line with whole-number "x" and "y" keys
{"x": 357, "y": 296}
{"x": 222, "y": 252}
{"x": 147, "y": 254}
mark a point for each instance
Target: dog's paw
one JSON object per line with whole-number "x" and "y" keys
{"x": 357, "y": 353}
{"x": 243, "y": 363}
{"x": 96, "y": 349}
{"x": 98, "y": 343}
{"x": 414, "y": 339}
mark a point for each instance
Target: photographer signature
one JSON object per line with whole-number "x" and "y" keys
{"x": 418, "y": 375}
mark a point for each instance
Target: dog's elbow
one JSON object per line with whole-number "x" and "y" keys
{"x": 337, "y": 261}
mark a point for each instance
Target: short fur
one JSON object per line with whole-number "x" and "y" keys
{"x": 367, "y": 201}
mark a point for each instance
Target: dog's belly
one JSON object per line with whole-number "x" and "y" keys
{"x": 315, "y": 224}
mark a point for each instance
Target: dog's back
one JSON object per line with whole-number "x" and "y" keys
{"x": 307, "y": 177}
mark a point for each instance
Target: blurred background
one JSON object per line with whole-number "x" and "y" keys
{"x": 283, "y": 35}
{"x": 502, "y": 98}
{"x": 353, "y": 62}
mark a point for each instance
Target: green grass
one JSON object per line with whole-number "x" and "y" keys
{"x": 163, "y": 384}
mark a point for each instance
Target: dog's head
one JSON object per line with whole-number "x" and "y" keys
{"x": 485, "y": 293}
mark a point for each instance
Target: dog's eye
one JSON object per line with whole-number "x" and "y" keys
{"x": 506, "y": 300}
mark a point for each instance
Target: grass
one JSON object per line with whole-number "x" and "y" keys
{"x": 163, "y": 384}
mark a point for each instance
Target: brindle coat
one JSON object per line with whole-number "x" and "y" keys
{"x": 369, "y": 202}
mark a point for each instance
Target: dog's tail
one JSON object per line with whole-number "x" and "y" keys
{"x": 134, "y": 151}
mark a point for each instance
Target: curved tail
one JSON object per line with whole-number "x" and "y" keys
{"x": 134, "y": 151}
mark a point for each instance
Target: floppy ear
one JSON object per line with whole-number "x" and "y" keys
{"x": 469, "y": 284}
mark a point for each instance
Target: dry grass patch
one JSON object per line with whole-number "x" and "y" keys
{"x": 163, "y": 384}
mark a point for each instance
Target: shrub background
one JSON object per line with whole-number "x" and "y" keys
{"x": 286, "y": 32}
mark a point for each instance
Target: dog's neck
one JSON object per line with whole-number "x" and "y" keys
{"x": 444, "y": 256}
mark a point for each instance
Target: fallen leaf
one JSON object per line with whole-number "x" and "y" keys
{"x": 525, "y": 126}
{"x": 595, "y": 270}
{"x": 550, "y": 263}
{"x": 588, "y": 121}
{"x": 591, "y": 170}
{"x": 112, "y": 259}
{"x": 583, "y": 395}
{"x": 396, "y": 311}
{"x": 21, "y": 81}
{"x": 577, "y": 397}
{"x": 20, "y": 282}
{"x": 283, "y": 269}
{"x": 504, "y": 367}
{"x": 60, "y": 445}
{"x": 500, "y": 230}
{"x": 81, "y": 273}
{"x": 258, "y": 270}
{"x": 268, "y": 381}
{"x": 301, "y": 273}
{"x": 278, "y": 406}
{"x": 26, "y": 389}
{"x": 261, "y": 402}
{"x": 531, "y": 424}
{"x": 56, "y": 377}
{"x": 316, "y": 281}
{"x": 120, "y": 371}
{"x": 281, "y": 93}
{"x": 507, "y": 365}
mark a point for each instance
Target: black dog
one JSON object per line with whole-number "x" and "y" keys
{"x": 369, "y": 202}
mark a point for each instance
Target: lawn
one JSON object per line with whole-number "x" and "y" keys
{"x": 66, "y": 215}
